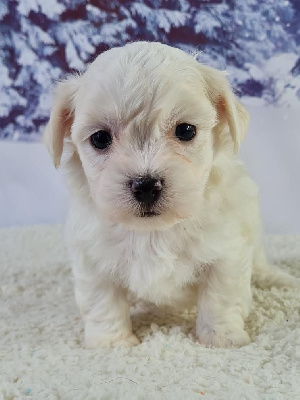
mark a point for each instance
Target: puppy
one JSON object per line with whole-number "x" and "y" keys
{"x": 161, "y": 206}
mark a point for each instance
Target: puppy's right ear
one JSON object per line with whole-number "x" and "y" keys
{"x": 61, "y": 118}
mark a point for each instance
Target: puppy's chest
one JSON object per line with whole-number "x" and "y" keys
{"x": 159, "y": 268}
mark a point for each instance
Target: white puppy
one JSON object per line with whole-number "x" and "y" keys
{"x": 161, "y": 207}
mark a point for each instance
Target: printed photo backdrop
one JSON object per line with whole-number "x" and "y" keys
{"x": 257, "y": 42}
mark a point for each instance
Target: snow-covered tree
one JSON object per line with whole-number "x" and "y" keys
{"x": 43, "y": 40}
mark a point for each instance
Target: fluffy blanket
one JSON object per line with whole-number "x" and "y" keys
{"x": 42, "y": 357}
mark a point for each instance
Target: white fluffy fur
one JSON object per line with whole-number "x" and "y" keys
{"x": 205, "y": 245}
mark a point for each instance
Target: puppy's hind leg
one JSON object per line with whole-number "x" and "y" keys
{"x": 266, "y": 275}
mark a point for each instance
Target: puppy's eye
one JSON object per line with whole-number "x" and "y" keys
{"x": 101, "y": 140}
{"x": 185, "y": 132}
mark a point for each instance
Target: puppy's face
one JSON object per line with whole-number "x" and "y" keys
{"x": 143, "y": 120}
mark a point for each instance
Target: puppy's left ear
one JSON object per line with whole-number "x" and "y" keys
{"x": 61, "y": 118}
{"x": 231, "y": 112}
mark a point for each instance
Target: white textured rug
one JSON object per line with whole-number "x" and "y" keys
{"x": 41, "y": 355}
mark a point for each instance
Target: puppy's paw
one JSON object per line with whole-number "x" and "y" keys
{"x": 223, "y": 336}
{"x": 94, "y": 341}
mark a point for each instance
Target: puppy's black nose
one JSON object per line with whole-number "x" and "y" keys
{"x": 146, "y": 190}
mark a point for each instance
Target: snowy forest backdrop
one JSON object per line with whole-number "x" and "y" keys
{"x": 41, "y": 41}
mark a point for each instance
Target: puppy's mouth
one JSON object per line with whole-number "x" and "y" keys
{"x": 148, "y": 214}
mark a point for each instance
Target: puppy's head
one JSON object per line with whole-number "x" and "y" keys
{"x": 146, "y": 120}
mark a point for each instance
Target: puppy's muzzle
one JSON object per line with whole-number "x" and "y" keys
{"x": 146, "y": 190}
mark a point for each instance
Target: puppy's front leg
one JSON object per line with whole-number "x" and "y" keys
{"x": 224, "y": 302}
{"x": 106, "y": 312}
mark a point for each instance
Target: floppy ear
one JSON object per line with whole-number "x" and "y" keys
{"x": 230, "y": 110}
{"x": 61, "y": 118}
